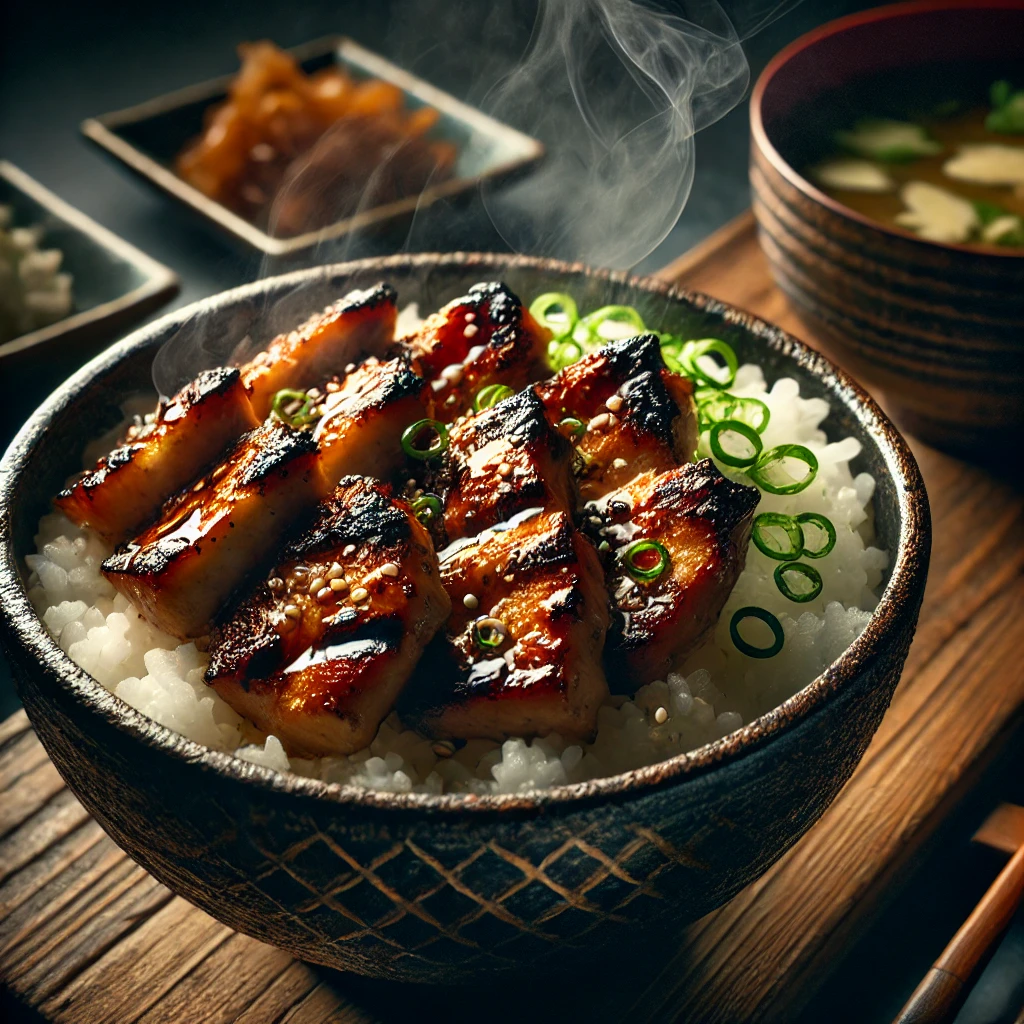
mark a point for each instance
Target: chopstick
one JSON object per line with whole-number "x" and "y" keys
{"x": 944, "y": 988}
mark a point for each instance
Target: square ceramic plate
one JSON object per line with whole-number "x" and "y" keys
{"x": 114, "y": 284}
{"x": 149, "y": 136}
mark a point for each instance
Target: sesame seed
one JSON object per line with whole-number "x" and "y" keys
{"x": 599, "y": 422}
{"x": 323, "y": 593}
{"x": 318, "y": 584}
{"x": 515, "y": 439}
{"x": 452, "y": 373}
{"x": 470, "y": 330}
{"x": 618, "y": 463}
{"x": 313, "y": 393}
{"x": 443, "y": 748}
{"x": 335, "y": 571}
{"x": 504, "y": 469}
{"x": 509, "y": 578}
{"x": 350, "y": 549}
{"x": 470, "y": 317}
{"x": 275, "y": 583}
{"x": 439, "y": 384}
{"x": 451, "y": 400}
{"x": 389, "y": 569}
{"x": 301, "y": 570}
{"x": 661, "y": 716}
{"x": 332, "y": 386}
{"x": 350, "y": 367}
{"x": 471, "y": 601}
{"x": 360, "y": 594}
{"x": 339, "y": 586}
{"x": 614, "y": 403}
{"x": 594, "y": 520}
{"x": 604, "y": 546}
{"x": 292, "y": 611}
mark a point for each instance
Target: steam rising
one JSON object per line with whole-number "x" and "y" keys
{"x": 616, "y": 89}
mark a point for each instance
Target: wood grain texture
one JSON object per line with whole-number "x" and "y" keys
{"x": 86, "y": 936}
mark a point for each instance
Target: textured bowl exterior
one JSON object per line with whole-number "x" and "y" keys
{"x": 450, "y": 888}
{"x": 939, "y": 328}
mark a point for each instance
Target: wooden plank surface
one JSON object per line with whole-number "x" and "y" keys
{"x": 87, "y": 936}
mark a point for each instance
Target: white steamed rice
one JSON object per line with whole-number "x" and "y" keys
{"x": 716, "y": 691}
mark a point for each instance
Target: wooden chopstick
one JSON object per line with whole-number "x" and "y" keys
{"x": 943, "y": 989}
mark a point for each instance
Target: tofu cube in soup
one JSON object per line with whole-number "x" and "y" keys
{"x": 626, "y": 412}
{"x": 158, "y": 458}
{"x": 360, "y": 324}
{"x": 501, "y": 461}
{"x": 180, "y": 571}
{"x": 485, "y": 337}
{"x": 522, "y": 652}
{"x": 364, "y": 417}
{"x": 678, "y": 544}
{"x": 318, "y": 654}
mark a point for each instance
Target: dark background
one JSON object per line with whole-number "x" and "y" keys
{"x": 61, "y": 62}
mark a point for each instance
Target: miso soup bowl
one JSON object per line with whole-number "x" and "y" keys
{"x": 939, "y": 329}
{"x": 451, "y": 888}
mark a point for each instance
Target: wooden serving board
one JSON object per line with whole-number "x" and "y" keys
{"x": 87, "y": 936}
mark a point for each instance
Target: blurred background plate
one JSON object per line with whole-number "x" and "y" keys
{"x": 114, "y": 283}
{"x": 148, "y": 137}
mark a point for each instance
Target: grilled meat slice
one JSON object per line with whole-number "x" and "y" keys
{"x": 637, "y": 415}
{"x": 180, "y": 571}
{"x": 363, "y": 420}
{"x": 703, "y": 521}
{"x": 501, "y": 461}
{"x": 320, "y": 651}
{"x": 128, "y": 486}
{"x": 522, "y": 652}
{"x": 360, "y": 324}
{"x": 485, "y": 337}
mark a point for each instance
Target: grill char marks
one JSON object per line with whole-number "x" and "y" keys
{"x": 362, "y": 425}
{"x": 485, "y": 337}
{"x": 322, "y": 670}
{"x": 128, "y": 486}
{"x": 638, "y": 415}
{"x": 703, "y": 520}
{"x": 181, "y": 570}
{"x": 358, "y": 325}
{"x": 501, "y": 461}
{"x": 543, "y": 582}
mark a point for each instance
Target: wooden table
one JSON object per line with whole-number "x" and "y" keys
{"x": 87, "y": 936}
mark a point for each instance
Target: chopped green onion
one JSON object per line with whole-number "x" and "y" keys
{"x": 778, "y": 536}
{"x": 437, "y": 446}
{"x": 646, "y": 560}
{"x": 307, "y": 413}
{"x": 626, "y": 315}
{"x": 426, "y": 508}
{"x": 798, "y": 582}
{"x": 752, "y": 612}
{"x": 706, "y": 348}
{"x": 564, "y": 352}
{"x": 489, "y": 632}
{"x": 575, "y": 427}
{"x": 771, "y": 475}
{"x": 720, "y": 405}
{"x": 491, "y": 395}
{"x": 823, "y": 524}
{"x": 733, "y": 433}
{"x": 1007, "y": 116}
{"x": 557, "y": 312}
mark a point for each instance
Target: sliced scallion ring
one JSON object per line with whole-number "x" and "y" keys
{"x": 734, "y": 443}
{"x": 564, "y": 352}
{"x": 778, "y": 536}
{"x": 798, "y": 582}
{"x": 573, "y": 426}
{"x": 437, "y": 446}
{"x": 625, "y": 315}
{"x": 491, "y": 395}
{"x": 489, "y": 632}
{"x": 557, "y": 312}
{"x": 646, "y": 560}
{"x": 426, "y": 508}
{"x": 287, "y": 396}
{"x": 817, "y": 522}
{"x": 750, "y": 650}
{"x": 708, "y": 348}
{"x": 771, "y": 475}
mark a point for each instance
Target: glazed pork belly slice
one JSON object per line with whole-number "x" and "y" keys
{"x": 636, "y": 415}
{"x": 501, "y": 461}
{"x": 318, "y": 654}
{"x": 364, "y": 417}
{"x": 485, "y": 337}
{"x": 360, "y": 324}
{"x": 158, "y": 458}
{"x": 702, "y": 520}
{"x": 180, "y": 571}
{"x": 522, "y": 652}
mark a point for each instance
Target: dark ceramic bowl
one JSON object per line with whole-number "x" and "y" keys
{"x": 939, "y": 328}
{"x": 446, "y": 888}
